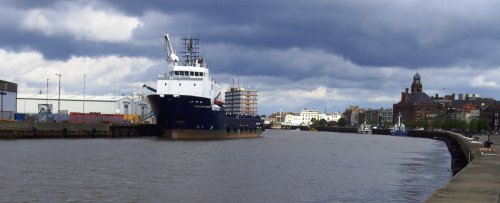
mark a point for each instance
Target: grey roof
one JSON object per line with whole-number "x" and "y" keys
{"x": 420, "y": 98}
{"x": 8, "y": 86}
{"x": 459, "y": 103}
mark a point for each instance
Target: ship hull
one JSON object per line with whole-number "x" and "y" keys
{"x": 399, "y": 133}
{"x": 192, "y": 118}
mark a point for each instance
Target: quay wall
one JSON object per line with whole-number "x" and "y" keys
{"x": 336, "y": 129}
{"x": 476, "y": 169}
{"x": 34, "y": 130}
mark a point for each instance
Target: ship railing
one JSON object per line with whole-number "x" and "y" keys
{"x": 168, "y": 77}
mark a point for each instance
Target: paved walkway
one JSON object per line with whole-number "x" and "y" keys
{"x": 477, "y": 182}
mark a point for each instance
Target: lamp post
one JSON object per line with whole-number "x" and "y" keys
{"x": 59, "y": 99}
{"x": 1, "y": 101}
{"x": 47, "y": 99}
{"x": 84, "y": 92}
{"x": 114, "y": 98}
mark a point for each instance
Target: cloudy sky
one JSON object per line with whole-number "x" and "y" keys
{"x": 313, "y": 54}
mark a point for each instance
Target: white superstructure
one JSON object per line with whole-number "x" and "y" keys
{"x": 190, "y": 76}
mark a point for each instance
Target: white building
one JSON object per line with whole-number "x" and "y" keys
{"x": 8, "y": 95}
{"x": 305, "y": 117}
{"x": 335, "y": 116}
{"x": 28, "y": 103}
{"x": 292, "y": 120}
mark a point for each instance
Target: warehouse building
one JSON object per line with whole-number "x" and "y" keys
{"x": 36, "y": 103}
{"x": 8, "y": 95}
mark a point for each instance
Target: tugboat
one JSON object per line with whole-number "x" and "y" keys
{"x": 187, "y": 101}
{"x": 399, "y": 128}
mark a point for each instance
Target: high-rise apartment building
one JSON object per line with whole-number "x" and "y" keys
{"x": 241, "y": 101}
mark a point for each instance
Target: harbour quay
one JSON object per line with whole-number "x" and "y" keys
{"x": 475, "y": 164}
{"x": 29, "y": 130}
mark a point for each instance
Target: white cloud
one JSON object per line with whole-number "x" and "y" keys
{"x": 293, "y": 98}
{"x": 31, "y": 70}
{"x": 82, "y": 21}
{"x": 482, "y": 81}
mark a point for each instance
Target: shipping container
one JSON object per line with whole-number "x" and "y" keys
{"x": 95, "y": 118}
{"x": 20, "y": 117}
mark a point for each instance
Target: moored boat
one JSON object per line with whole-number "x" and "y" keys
{"x": 399, "y": 128}
{"x": 365, "y": 128}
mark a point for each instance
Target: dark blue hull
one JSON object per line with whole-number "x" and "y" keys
{"x": 399, "y": 133}
{"x": 189, "y": 117}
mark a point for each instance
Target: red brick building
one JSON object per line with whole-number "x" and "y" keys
{"x": 415, "y": 105}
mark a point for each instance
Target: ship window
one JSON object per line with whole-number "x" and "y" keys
{"x": 201, "y": 74}
{"x": 186, "y": 72}
{"x": 181, "y": 72}
{"x": 196, "y": 74}
{"x": 179, "y": 84}
{"x": 176, "y": 72}
{"x": 194, "y": 84}
{"x": 191, "y": 73}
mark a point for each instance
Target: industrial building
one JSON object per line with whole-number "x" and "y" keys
{"x": 32, "y": 104}
{"x": 241, "y": 101}
{"x": 8, "y": 95}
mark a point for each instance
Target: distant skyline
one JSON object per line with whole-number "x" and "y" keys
{"x": 297, "y": 54}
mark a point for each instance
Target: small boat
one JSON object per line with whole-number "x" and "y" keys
{"x": 399, "y": 128}
{"x": 365, "y": 128}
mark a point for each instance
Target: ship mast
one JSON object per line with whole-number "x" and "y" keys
{"x": 191, "y": 54}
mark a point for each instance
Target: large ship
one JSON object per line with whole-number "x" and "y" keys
{"x": 187, "y": 101}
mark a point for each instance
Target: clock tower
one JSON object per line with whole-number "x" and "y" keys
{"x": 416, "y": 86}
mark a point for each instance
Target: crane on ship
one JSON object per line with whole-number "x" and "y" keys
{"x": 172, "y": 58}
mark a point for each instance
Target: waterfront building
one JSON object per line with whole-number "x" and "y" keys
{"x": 241, "y": 101}
{"x": 335, "y": 116}
{"x": 135, "y": 104}
{"x": 375, "y": 117}
{"x": 386, "y": 115}
{"x": 305, "y": 116}
{"x": 278, "y": 117}
{"x": 416, "y": 105}
{"x": 8, "y": 95}
{"x": 352, "y": 115}
{"x": 465, "y": 107}
{"x": 293, "y": 120}
{"x": 492, "y": 114}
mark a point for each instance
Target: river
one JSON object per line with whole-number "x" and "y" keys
{"x": 282, "y": 166}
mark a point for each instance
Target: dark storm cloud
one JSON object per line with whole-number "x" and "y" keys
{"x": 349, "y": 49}
{"x": 368, "y": 33}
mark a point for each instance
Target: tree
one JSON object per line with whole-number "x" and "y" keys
{"x": 342, "y": 122}
{"x": 462, "y": 125}
{"x": 322, "y": 122}
{"x": 478, "y": 124}
{"x": 437, "y": 124}
{"x": 332, "y": 123}
{"x": 386, "y": 124}
{"x": 314, "y": 121}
